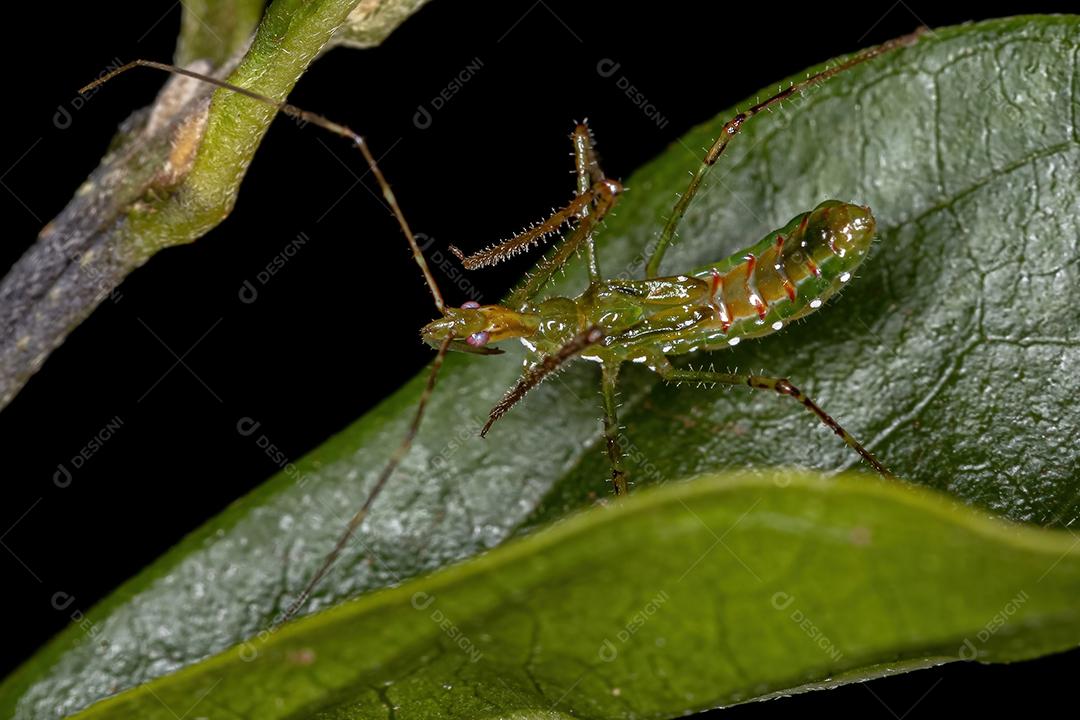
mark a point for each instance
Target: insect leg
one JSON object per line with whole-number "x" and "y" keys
{"x": 596, "y": 194}
{"x": 610, "y": 375}
{"x": 588, "y": 173}
{"x": 499, "y": 252}
{"x": 732, "y": 127}
{"x": 781, "y": 386}
{"x": 600, "y": 194}
{"x": 543, "y": 271}
{"x": 536, "y": 375}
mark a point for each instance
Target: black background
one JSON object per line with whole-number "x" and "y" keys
{"x": 335, "y": 330}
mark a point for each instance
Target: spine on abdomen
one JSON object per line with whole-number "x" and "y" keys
{"x": 791, "y": 272}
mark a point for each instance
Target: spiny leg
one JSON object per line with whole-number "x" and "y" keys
{"x": 781, "y": 386}
{"x": 536, "y": 375}
{"x": 596, "y": 196}
{"x": 562, "y": 253}
{"x": 314, "y": 119}
{"x": 502, "y": 251}
{"x": 609, "y": 389}
{"x": 588, "y": 173}
{"x": 732, "y": 127}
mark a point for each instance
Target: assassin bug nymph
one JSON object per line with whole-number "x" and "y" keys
{"x": 754, "y": 292}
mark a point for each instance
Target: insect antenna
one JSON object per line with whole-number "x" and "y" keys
{"x": 388, "y": 194}
{"x": 384, "y": 476}
{"x": 535, "y": 376}
{"x": 315, "y": 119}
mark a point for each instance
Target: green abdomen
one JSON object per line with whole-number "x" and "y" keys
{"x": 756, "y": 291}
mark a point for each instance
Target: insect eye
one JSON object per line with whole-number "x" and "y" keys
{"x": 479, "y": 339}
{"x": 470, "y": 305}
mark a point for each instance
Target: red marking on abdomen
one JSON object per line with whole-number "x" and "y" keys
{"x": 802, "y": 225}
{"x": 789, "y": 287}
{"x": 751, "y": 288}
{"x": 721, "y": 309}
{"x": 812, "y": 267}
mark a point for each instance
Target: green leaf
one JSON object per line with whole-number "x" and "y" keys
{"x": 699, "y": 595}
{"x": 955, "y": 351}
{"x": 953, "y": 354}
